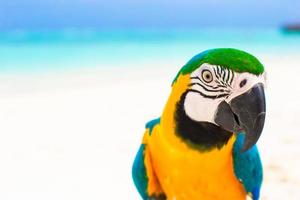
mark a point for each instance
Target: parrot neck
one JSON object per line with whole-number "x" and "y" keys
{"x": 203, "y": 136}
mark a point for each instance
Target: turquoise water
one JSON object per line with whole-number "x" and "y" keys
{"x": 70, "y": 49}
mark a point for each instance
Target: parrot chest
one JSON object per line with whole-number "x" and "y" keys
{"x": 186, "y": 174}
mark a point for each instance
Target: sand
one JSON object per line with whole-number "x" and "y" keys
{"x": 74, "y": 134}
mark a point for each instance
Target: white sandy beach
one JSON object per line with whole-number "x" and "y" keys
{"x": 74, "y": 134}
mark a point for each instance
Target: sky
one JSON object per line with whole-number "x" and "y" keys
{"x": 103, "y": 14}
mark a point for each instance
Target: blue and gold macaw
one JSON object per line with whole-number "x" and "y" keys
{"x": 203, "y": 145}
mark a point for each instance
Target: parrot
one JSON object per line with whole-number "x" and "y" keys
{"x": 203, "y": 145}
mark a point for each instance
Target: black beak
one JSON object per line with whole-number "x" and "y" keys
{"x": 244, "y": 113}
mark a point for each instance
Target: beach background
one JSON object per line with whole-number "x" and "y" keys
{"x": 79, "y": 80}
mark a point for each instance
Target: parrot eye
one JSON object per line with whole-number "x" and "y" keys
{"x": 207, "y": 76}
{"x": 243, "y": 83}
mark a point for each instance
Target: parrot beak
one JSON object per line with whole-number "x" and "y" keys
{"x": 244, "y": 113}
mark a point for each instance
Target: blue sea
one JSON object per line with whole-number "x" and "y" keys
{"x": 36, "y": 51}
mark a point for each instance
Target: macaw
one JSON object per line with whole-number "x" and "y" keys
{"x": 203, "y": 146}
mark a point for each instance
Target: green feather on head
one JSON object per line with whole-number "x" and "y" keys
{"x": 234, "y": 59}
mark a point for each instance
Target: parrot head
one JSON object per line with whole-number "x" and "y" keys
{"x": 223, "y": 95}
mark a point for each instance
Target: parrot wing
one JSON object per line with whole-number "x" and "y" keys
{"x": 248, "y": 167}
{"x": 143, "y": 174}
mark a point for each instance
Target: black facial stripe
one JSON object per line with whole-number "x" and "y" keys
{"x": 216, "y": 72}
{"x": 206, "y": 89}
{"x": 228, "y": 77}
{"x": 223, "y": 73}
{"x": 197, "y": 78}
{"x": 219, "y": 71}
{"x": 223, "y": 86}
{"x": 231, "y": 78}
{"x": 208, "y": 96}
{"x": 214, "y": 87}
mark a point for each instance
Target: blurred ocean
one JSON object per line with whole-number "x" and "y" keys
{"x": 23, "y": 51}
{"x": 73, "y": 134}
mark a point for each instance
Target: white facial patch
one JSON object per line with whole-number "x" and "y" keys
{"x": 244, "y": 82}
{"x": 210, "y": 85}
{"x": 200, "y": 108}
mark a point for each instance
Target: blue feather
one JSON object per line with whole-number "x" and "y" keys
{"x": 248, "y": 167}
{"x": 151, "y": 124}
{"x": 255, "y": 193}
{"x": 139, "y": 175}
